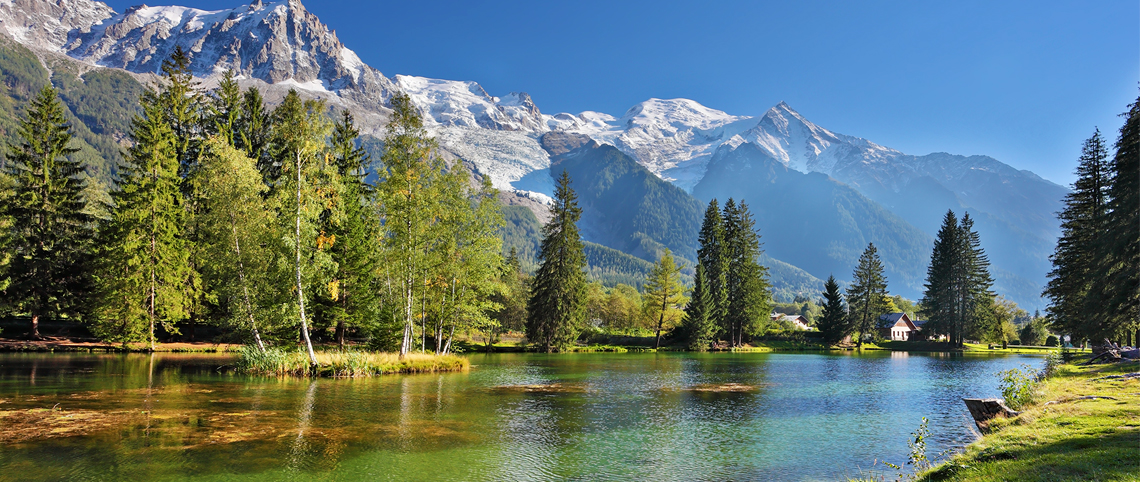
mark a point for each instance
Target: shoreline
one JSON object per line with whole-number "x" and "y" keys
{"x": 1083, "y": 425}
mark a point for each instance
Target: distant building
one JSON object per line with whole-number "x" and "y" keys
{"x": 898, "y": 327}
{"x": 797, "y": 321}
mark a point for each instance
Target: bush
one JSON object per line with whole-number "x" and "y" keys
{"x": 1019, "y": 388}
{"x": 1052, "y": 341}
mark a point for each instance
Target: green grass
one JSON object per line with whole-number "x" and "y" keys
{"x": 344, "y": 363}
{"x": 1061, "y": 437}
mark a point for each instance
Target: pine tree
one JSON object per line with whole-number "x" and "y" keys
{"x": 867, "y": 295}
{"x": 1119, "y": 250}
{"x": 556, "y": 309}
{"x": 225, "y": 109}
{"x": 144, "y": 259}
{"x": 664, "y": 293}
{"x": 940, "y": 298}
{"x": 50, "y": 235}
{"x": 711, "y": 256}
{"x": 699, "y": 327}
{"x": 833, "y": 323}
{"x": 1073, "y": 282}
{"x": 748, "y": 292}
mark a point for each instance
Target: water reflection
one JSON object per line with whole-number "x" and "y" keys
{"x": 621, "y": 416}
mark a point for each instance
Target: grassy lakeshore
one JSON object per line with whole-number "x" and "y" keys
{"x": 347, "y": 363}
{"x": 1064, "y": 435}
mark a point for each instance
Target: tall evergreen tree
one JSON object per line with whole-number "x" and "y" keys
{"x": 711, "y": 255}
{"x": 699, "y": 327}
{"x": 1119, "y": 250}
{"x": 867, "y": 295}
{"x": 978, "y": 299}
{"x": 556, "y": 309}
{"x": 958, "y": 299}
{"x": 833, "y": 322}
{"x": 350, "y": 299}
{"x": 144, "y": 259}
{"x": 664, "y": 293}
{"x": 49, "y": 234}
{"x": 1073, "y": 282}
{"x": 748, "y": 291}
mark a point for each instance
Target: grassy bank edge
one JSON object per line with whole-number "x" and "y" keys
{"x": 1063, "y": 435}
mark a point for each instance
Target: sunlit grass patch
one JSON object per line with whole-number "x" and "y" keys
{"x": 346, "y": 363}
{"x": 1066, "y": 435}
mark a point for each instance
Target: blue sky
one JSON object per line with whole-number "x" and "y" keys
{"x": 1024, "y": 82}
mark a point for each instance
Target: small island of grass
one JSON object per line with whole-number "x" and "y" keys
{"x": 344, "y": 363}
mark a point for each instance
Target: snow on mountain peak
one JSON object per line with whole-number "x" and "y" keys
{"x": 48, "y": 25}
{"x": 467, "y": 104}
{"x": 276, "y": 42}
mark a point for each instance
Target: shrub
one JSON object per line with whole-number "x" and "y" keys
{"x": 1019, "y": 388}
{"x": 1052, "y": 341}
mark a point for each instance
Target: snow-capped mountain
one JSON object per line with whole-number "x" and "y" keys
{"x": 49, "y": 24}
{"x": 280, "y": 45}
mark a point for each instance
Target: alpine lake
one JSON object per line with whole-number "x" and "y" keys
{"x": 592, "y": 416}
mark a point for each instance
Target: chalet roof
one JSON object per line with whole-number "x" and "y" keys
{"x": 892, "y": 317}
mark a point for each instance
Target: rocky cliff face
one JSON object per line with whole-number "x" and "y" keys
{"x": 49, "y": 24}
{"x": 278, "y": 43}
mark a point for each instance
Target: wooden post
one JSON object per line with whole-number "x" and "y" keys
{"x": 985, "y": 409}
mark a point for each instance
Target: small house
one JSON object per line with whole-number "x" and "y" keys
{"x": 898, "y": 327}
{"x": 797, "y": 321}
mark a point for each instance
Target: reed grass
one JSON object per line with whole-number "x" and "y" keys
{"x": 344, "y": 363}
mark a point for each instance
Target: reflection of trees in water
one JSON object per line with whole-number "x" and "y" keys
{"x": 299, "y": 448}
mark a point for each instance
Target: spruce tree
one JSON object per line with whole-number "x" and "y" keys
{"x": 350, "y": 298}
{"x": 699, "y": 327}
{"x": 748, "y": 292}
{"x": 1119, "y": 249}
{"x": 867, "y": 295}
{"x": 663, "y": 293}
{"x": 556, "y": 309}
{"x": 1073, "y": 282}
{"x": 49, "y": 235}
{"x": 958, "y": 299}
{"x": 833, "y": 322}
{"x": 143, "y": 257}
{"x": 978, "y": 301}
{"x": 711, "y": 255}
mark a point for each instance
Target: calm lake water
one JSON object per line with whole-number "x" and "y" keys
{"x": 610, "y": 417}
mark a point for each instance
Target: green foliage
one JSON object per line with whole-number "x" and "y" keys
{"x": 958, "y": 300}
{"x": 697, "y": 326}
{"x": 867, "y": 295}
{"x": 664, "y": 294}
{"x": 833, "y": 323}
{"x": 50, "y": 233}
{"x": 746, "y": 281}
{"x": 556, "y": 310}
{"x": 144, "y": 263}
{"x": 1018, "y": 387}
{"x": 1035, "y": 332}
{"x": 713, "y": 257}
{"x": 1118, "y": 251}
{"x": 1052, "y": 340}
